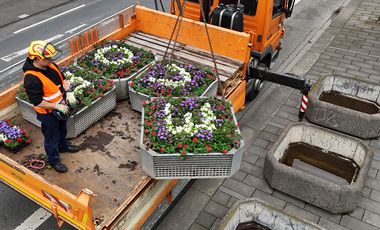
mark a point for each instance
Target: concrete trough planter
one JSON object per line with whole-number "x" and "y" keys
{"x": 194, "y": 166}
{"x": 321, "y": 189}
{"x": 137, "y": 99}
{"x": 262, "y": 214}
{"x": 347, "y": 105}
{"x": 80, "y": 121}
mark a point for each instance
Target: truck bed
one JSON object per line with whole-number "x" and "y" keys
{"x": 229, "y": 69}
{"x": 108, "y": 163}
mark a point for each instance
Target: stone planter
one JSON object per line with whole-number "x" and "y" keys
{"x": 137, "y": 98}
{"x": 255, "y": 210}
{"x": 311, "y": 185}
{"x": 80, "y": 121}
{"x": 122, "y": 89}
{"x": 195, "y": 165}
{"x": 346, "y": 105}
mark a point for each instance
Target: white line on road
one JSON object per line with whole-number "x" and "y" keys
{"x": 23, "y": 16}
{"x": 48, "y": 19}
{"x": 22, "y": 52}
{"x": 75, "y": 28}
{"x": 35, "y": 220}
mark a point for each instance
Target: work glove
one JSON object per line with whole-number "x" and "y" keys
{"x": 71, "y": 98}
{"x": 64, "y": 109}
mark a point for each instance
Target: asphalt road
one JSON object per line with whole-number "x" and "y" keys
{"x": 310, "y": 18}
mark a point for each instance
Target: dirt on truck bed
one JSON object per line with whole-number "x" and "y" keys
{"x": 108, "y": 163}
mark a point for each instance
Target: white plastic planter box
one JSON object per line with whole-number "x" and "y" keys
{"x": 80, "y": 121}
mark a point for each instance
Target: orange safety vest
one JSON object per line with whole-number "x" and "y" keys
{"x": 52, "y": 93}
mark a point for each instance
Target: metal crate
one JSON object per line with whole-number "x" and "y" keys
{"x": 194, "y": 166}
{"x": 81, "y": 120}
{"x": 137, "y": 98}
{"x": 122, "y": 89}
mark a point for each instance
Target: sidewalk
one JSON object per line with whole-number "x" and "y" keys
{"x": 349, "y": 47}
{"x": 12, "y": 11}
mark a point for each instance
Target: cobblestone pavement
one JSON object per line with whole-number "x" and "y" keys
{"x": 349, "y": 47}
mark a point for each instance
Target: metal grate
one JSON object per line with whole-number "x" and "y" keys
{"x": 193, "y": 166}
{"x": 80, "y": 121}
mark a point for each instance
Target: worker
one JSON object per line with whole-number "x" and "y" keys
{"x": 48, "y": 91}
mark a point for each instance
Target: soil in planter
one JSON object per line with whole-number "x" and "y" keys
{"x": 350, "y": 102}
{"x": 320, "y": 163}
{"x": 252, "y": 226}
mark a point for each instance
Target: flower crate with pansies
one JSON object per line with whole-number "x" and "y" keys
{"x": 118, "y": 61}
{"x": 171, "y": 79}
{"x": 190, "y": 138}
{"x": 96, "y": 97}
{"x": 12, "y": 137}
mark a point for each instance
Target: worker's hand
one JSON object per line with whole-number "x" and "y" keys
{"x": 66, "y": 85}
{"x": 62, "y": 108}
{"x": 71, "y": 98}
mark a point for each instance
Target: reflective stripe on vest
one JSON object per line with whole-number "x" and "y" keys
{"x": 52, "y": 93}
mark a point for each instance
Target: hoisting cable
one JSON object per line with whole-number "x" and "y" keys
{"x": 210, "y": 45}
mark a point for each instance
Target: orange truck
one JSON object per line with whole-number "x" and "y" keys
{"x": 116, "y": 200}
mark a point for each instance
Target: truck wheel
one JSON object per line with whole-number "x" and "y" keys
{"x": 254, "y": 86}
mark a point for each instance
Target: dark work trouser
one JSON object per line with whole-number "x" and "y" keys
{"x": 54, "y": 132}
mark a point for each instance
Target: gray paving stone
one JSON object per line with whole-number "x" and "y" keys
{"x": 313, "y": 209}
{"x": 372, "y": 218}
{"x": 358, "y": 213}
{"x": 366, "y": 192}
{"x": 252, "y": 169}
{"x": 349, "y": 66}
{"x": 372, "y": 183}
{"x": 281, "y": 121}
{"x": 355, "y": 224}
{"x": 283, "y": 114}
{"x": 370, "y": 205}
{"x": 257, "y": 150}
{"x": 221, "y": 197}
{"x": 262, "y": 143}
{"x": 185, "y": 211}
{"x": 375, "y": 195}
{"x": 260, "y": 162}
{"x": 292, "y": 109}
{"x": 216, "y": 209}
{"x": 205, "y": 219}
{"x": 272, "y": 129}
{"x": 231, "y": 202}
{"x": 289, "y": 199}
{"x": 239, "y": 187}
{"x": 239, "y": 175}
{"x": 268, "y": 136}
{"x": 250, "y": 157}
{"x": 330, "y": 225}
{"x": 276, "y": 202}
{"x": 258, "y": 183}
{"x": 301, "y": 213}
{"x": 358, "y": 73}
{"x": 372, "y": 173}
{"x": 207, "y": 186}
{"x": 232, "y": 193}
{"x": 196, "y": 226}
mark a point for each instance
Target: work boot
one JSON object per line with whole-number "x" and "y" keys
{"x": 70, "y": 149}
{"x": 59, "y": 167}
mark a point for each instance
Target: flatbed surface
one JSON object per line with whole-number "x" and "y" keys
{"x": 108, "y": 163}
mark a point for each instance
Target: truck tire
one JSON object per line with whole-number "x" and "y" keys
{"x": 254, "y": 86}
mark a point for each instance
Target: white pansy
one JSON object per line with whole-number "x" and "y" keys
{"x": 189, "y": 127}
{"x": 173, "y": 69}
{"x": 99, "y": 55}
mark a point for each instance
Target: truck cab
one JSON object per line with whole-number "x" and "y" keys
{"x": 263, "y": 20}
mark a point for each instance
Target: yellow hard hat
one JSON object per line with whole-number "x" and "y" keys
{"x": 42, "y": 49}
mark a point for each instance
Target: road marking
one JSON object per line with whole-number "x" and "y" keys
{"x": 48, "y": 19}
{"x": 35, "y": 220}
{"x": 23, "y": 16}
{"x": 75, "y": 28}
{"x": 22, "y": 52}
